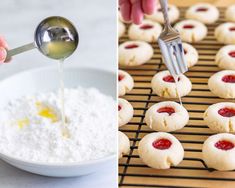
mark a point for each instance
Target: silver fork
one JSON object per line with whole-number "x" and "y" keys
{"x": 171, "y": 45}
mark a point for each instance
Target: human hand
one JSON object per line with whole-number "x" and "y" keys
{"x": 134, "y": 10}
{"x": 3, "y": 49}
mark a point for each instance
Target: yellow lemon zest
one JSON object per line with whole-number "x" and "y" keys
{"x": 23, "y": 122}
{"x": 46, "y": 112}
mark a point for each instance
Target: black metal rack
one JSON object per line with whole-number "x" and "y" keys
{"x": 192, "y": 172}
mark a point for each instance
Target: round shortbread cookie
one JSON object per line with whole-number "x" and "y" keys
{"x": 220, "y": 117}
{"x": 166, "y": 116}
{"x": 190, "y": 54}
{"x": 229, "y": 14}
{"x": 123, "y": 144}
{"x": 203, "y": 12}
{"x": 157, "y": 16}
{"x": 218, "y": 151}
{"x": 160, "y": 150}
{"x": 121, "y": 29}
{"x": 225, "y": 57}
{"x": 147, "y": 31}
{"x": 191, "y": 30}
{"x": 164, "y": 85}
{"x": 125, "y": 82}
{"x": 225, "y": 33}
{"x": 133, "y": 53}
{"x": 222, "y": 84}
{"x": 125, "y": 112}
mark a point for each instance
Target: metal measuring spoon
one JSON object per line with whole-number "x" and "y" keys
{"x": 55, "y": 37}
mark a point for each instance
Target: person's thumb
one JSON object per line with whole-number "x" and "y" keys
{"x": 3, "y": 54}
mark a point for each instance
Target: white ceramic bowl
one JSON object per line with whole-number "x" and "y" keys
{"x": 46, "y": 79}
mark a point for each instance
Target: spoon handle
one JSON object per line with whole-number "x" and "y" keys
{"x": 19, "y": 50}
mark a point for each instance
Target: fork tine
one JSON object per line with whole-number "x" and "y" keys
{"x": 179, "y": 56}
{"x": 166, "y": 55}
{"x": 171, "y": 45}
{"x": 171, "y": 52}
{"x": 182, "y": 61}
{"x": 167, "y": 51}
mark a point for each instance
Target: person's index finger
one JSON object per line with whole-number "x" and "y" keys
{"x": 125, "y": 9}
{"x": 148, "y": 6}
{"x": 3, "y": 42}
{"x": 137, "y": 14}
{"x": 3, "y": 54}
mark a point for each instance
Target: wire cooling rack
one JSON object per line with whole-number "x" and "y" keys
{"x": 192, "y": 171}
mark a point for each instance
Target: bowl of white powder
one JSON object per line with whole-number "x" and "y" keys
{"x": 37, "y": 137}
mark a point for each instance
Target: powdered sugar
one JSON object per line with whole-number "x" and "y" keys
{"x": 30, "y": 127}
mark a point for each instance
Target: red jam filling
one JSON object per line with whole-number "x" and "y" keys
{"x": 227, "y": 112}
{"x": 146, "y": 26}
{"x": 185, "y": 51}
{"x": 232, "y": 29}
{"x": 201, "y": 9}
{"x": 162, "y": 144}
{"x": 168, "y": 110}
{"x": 229, "y": 79}
{"x": 170, "y": 78}
{"x": 188, "y": 26}
{"x": 119, "y": 107}
{"x": 224, "y": 145}
{"x": 232, "y": 53}
{"x": 120, "y": 77}
{"x": 131, "y": 46}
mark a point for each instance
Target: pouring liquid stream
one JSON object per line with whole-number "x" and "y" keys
{"x": 176, "y": 78}
{"x": 65, "y": 131}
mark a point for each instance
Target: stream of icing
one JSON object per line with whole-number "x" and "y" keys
{"x": 61, "y": 96}
{"x": 176, "y": 78}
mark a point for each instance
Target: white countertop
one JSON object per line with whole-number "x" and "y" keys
{"x": 95, "y": 21}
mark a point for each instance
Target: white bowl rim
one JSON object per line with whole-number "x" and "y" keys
{"x": 58, "y": 164}
{"x": 51, "y": 67}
